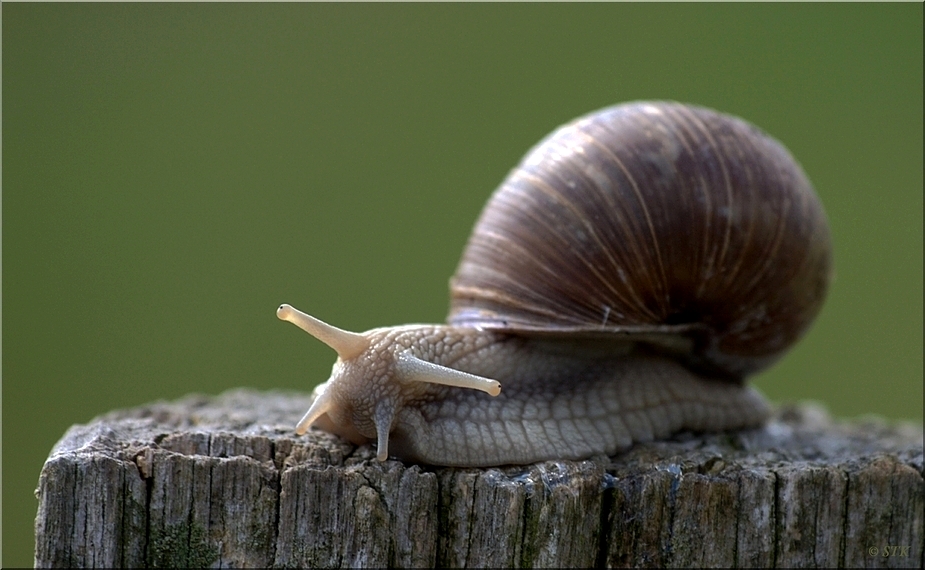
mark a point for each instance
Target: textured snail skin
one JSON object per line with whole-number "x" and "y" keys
{"x": 618, "y": 287}
{"x": 614, "y": 398}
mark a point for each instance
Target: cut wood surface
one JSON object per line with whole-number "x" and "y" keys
{"x": 225, "y": 482}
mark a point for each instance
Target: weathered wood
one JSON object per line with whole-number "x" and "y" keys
{"x": 224, "y": 482}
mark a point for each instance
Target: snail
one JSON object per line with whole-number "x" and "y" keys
{"x": 618, "y": 287}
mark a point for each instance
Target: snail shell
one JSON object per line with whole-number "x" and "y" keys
{"x": 656, "y": 218}
{"x": 619, "y": 286}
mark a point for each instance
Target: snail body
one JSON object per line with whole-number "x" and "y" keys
{"x": 618, "y": 287}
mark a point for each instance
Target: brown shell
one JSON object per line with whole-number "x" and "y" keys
{"x": 658, "y": 219}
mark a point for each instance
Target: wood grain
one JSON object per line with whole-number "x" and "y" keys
{"x": 224, "y": 482}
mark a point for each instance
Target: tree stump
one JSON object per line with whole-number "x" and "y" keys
{"x": 225, "y": 482}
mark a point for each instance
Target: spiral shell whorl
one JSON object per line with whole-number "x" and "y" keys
{"x": 656, "y": 218}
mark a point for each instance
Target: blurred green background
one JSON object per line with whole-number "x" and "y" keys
{"x": 173, "y": 172}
